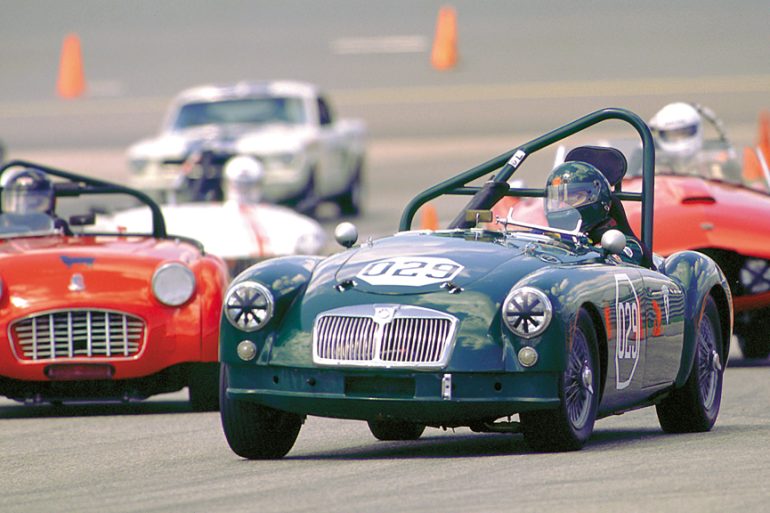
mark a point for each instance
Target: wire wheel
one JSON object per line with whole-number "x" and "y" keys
{"x": 694, "y": 407}
{"x": 578, "y": 386}
{"x": 568, "y": 427}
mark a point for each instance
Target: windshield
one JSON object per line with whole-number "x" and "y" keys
{"x": 529, "y": 215}
{"x": 23, "y": 225}
{"x": 250, "y": 111}
{"x": 716, "y": 161}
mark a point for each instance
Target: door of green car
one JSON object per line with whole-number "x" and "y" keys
{"x": 664, "y": 324}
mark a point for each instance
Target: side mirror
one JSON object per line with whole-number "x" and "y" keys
{"x": 614, "y": 242}
{"x": 346, "y": 234}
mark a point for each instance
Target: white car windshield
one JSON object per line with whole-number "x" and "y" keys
{"x": 250, "y": 111}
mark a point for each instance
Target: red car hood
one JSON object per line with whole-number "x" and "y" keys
{"x": 40, "y": 273}
{"x": 693, "y": 213}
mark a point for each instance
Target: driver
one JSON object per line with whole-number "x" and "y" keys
{"x": 577, "y": 190}
{"x": 28, "y": 191}
{"x": 679, "y": 130}
{"x": 243, "y": 177}
{"x": 679, "y": 141}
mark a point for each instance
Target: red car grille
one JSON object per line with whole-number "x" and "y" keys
{"x": 77, "y": 334}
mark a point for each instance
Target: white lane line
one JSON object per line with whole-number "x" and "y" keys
{"x": 735, "y": 84}
{"x": 379, "y": 45}
{"x": 555, "y": 90}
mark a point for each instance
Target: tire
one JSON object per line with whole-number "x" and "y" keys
{"x": 253, "y": 431}
{"x": 753, "y": 336}
{"x": 351, "y": 200}
{"x": 694, "y": 407}
{"x": 390, "y": 430}
{"x": 568, "y": 427}
{"x": 203, "y": 385}
{"x": 307, "y": 201}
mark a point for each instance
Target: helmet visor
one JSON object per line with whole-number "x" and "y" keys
{"x": 567, "y": 196}
{"x": 21, "y": 201}
{"x": 678, "y": 134}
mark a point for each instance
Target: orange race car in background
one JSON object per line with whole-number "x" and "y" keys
{"x": 100, "y": 316}
{"x": 710, "y": 203}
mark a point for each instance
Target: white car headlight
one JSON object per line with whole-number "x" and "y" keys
{"x": 527, "y": 312}
{"x": 138, "y": 166}
{"x": 173, "y": 284}
{"x": 285, "y": 160}
{"x": 248, "y": 305}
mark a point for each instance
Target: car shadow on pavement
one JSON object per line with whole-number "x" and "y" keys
{"x": 19, "y": 410}
{"x": 440, "y": 446}
{"x": 748, "y": 362}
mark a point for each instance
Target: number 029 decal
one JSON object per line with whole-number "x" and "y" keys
{"x": 410, "y": 271}
{"x": 628, "y": 320}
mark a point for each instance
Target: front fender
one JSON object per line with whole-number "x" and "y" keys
{"x": 285, "y": 277}
{"x": 699, "y": 276}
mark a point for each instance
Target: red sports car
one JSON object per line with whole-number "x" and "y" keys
{"x": 100, "y": 316}
{"x": 712, "y": 207}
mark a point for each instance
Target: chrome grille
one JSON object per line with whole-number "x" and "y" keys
{"x": 383, "y": 335}
{"x": 77, "y": 334}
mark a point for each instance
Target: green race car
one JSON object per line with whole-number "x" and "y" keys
{"x": 561, "y": 324}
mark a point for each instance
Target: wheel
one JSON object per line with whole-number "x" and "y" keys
{"x": 307, "y": 201}
{"x": 388, "y": 430}
{"x": 753, "y": 336}
{"x": 569, "y": 426}
{"x": 203, "y": 386}
{"x": 694, "y": 407}
{"x": 253, "y": 431}
{"x": 350, "y": 202}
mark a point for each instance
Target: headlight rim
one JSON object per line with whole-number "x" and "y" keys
{"x": 269, "y": 308}
{"x": 547, "y": 315}
{"x": 186, "y": 270}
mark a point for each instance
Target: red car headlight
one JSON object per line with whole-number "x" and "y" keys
{"x": 173, "y": 284}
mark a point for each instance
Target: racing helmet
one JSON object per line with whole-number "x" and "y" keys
{"x": 243, "y": 176}
{"x": 27, "y": 190}
{"x": 679, "y": 129}
{"x": 577, "y": 190}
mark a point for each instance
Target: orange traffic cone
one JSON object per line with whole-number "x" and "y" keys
{"x": 752, "y": 172}
{"x": 429, "y": 219}
{"x": 764, "y": 135}
{"x": 71, "y": 83}
{"x": 444, "y": 54}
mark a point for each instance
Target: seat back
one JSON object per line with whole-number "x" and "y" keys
{"x": 610, "y": 161}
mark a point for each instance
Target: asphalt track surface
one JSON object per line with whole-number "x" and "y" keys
{"x": 523, "y": 69}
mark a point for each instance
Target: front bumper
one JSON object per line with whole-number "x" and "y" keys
{"x": 279, "y": 183}
{"x": 399, "y": 395}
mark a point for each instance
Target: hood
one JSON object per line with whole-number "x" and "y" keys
{"x": 48, "y": 272}
{"x": 250, "y": 230}
{"x": 694, "y": 213}
{"x": 417, "y": 263}
{"x": 258, "y": 139}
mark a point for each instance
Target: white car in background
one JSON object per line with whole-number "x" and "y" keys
{"x": 308, "y": 155}
{"x": 241, "y": 229}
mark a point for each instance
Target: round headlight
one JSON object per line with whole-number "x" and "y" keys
{"x": 173, "y": 284}
{"x": 248, "y": 305}
{"x": 527, "y": 312}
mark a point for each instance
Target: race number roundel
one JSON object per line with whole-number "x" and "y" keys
{"x": 628, "y": 330}
{"x": 409, "y": 271}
